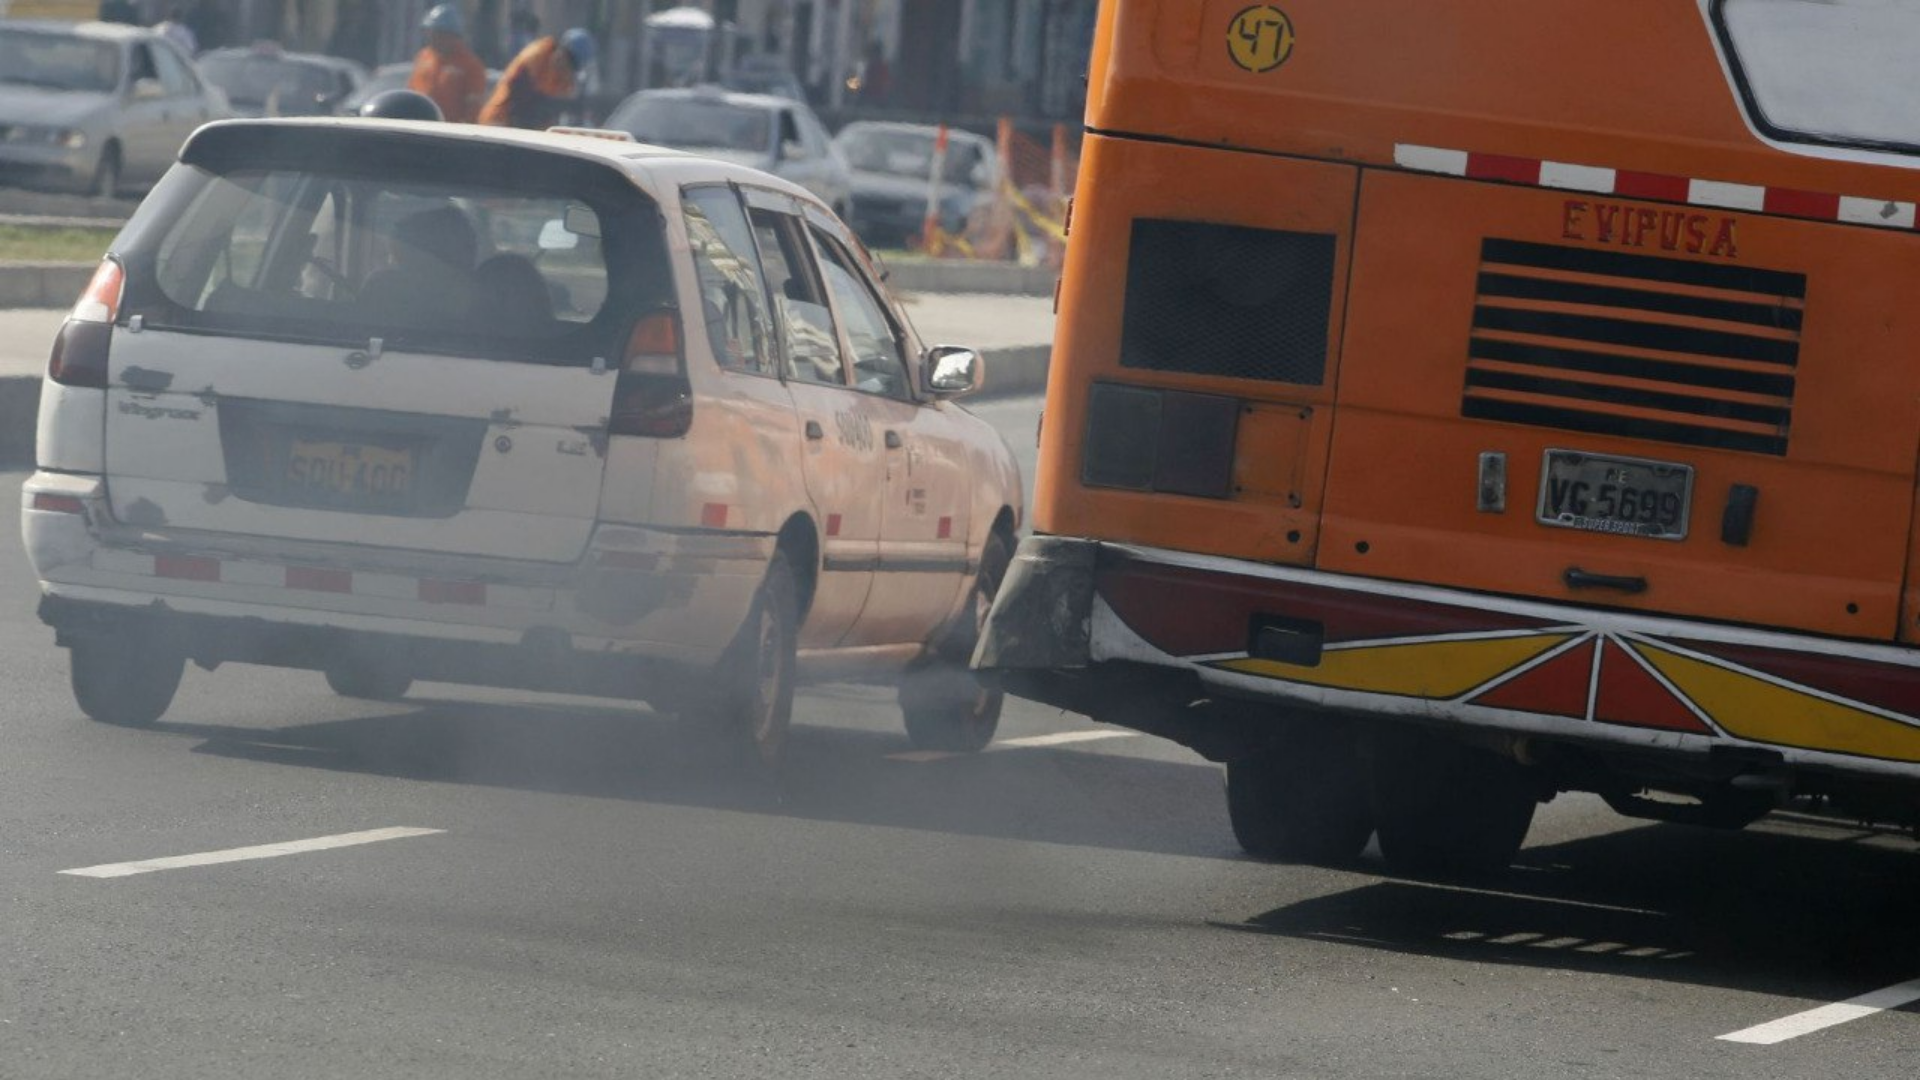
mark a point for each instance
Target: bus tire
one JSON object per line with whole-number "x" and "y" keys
{"x": 369, "y": 681}
{"x": 1444, "y": 809}
{"x": 1305, "y": 801}
{"x": 125, "y": 679}
{"x": 947, "y": 707}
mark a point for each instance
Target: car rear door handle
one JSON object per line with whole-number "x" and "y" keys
{"x": 814, "y": 431}
{"x": 1577, "y": 578}
{"x": 893, "y": 440}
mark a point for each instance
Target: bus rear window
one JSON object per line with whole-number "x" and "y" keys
{"x": 1827, "y": 72}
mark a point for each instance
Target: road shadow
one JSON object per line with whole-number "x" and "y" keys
{"x": 1797, "y": 906}
{"x": 832, "y": 773}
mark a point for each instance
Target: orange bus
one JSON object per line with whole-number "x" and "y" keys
{"x": 1458, "y": 404}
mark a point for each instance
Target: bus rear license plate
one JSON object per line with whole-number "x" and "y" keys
{"x": 1623, "y": 496}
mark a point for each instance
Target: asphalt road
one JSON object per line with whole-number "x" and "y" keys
{"x": 603, "y": 898}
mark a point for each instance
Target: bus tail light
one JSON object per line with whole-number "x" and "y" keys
{"x": 1165, "y": 441}
{"x": 652, "y": 397}
{"x": 80, "y": 351}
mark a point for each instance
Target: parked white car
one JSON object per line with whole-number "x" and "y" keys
{"x": 400, "y": 401}
{"x": 772, "y": 134}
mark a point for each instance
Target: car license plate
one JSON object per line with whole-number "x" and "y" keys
{"x": 343, "y": 472}
{"x": 1624, "y": 496}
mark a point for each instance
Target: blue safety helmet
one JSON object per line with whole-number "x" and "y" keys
{"x": 579, "y": 45}
{"x": 444, "y": 17}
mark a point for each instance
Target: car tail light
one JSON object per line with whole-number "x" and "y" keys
{"x": 80, "y": 352}
{"x": 652, "y": 397}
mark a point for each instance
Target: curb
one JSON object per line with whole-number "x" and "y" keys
{"x": 42, "y": 285}
{"x": 1010, "y": 373}
{"x": 922, "y": 275}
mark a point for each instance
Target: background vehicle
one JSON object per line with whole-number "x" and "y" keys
{"x": 518, "y": 409}
{"x": 771, "y": 134}
{"x": 94, "y": 107}
{"x": 264, "y": 80}
{"x": 1456, "y": 434}
{"x": 891, "y": 166}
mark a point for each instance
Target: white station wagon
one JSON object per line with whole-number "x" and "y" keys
{"x": 551, "y": 411}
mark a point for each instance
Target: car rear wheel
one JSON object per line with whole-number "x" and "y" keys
{"x": 1305, "y": 800}
{"x": 945, "y": 705}
{"x": 1445, "y": 809}
{"x": 106, "y": 175}
{"x": 752, "y": 699}
{"x": 127, "y": 679}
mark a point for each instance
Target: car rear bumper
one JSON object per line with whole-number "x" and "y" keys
{"x": 675, "y": 597}
{"x": 1132, "y": 634}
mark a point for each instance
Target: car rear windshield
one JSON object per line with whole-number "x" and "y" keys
{"x": 58, "y": 62}
{"x": 1832, "y": 72}
{"x": 437, "y": 245}
{"x": 907, "y": 153}
{"x": 694, "y": 124}
{"x": 291, "y": 88}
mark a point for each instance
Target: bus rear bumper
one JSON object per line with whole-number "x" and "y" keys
{"x": 1137, "y": 636}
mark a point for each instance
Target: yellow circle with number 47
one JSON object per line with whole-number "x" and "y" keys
{"x": 1260, "y": 38}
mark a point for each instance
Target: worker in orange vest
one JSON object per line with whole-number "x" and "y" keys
{"x": 541, "y": 82}
{"x": 446, "y": 70}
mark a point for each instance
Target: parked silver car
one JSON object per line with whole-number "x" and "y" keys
{"x": 772, "y": 134}
{"x": 265, "y": 80}
{"x": 94, "y": 106}
{"x": 892, "y": 166}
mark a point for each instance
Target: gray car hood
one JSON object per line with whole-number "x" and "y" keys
{"x": 48, "y": 108}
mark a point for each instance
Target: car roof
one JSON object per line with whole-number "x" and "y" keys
{"x": 251, "y": 52}
{"x": 97, "y": 31}
{"x": 656, "y": 169}
{"x": 715, "y": 93}
{"x": 910, "y": 129}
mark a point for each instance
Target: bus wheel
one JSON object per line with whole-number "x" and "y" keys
{"x": 947, "y": 707}
{"x": 1448, "y": 810}
{"x": 126, "y": 679}
{"x": 1304, "y": 801}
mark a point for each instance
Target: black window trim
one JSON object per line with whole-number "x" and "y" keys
{"x": 775, "y": 331}
{"x": 863, "y": 281}
{"x": 787, "y": 206}
{"x": 1757, "y": 115}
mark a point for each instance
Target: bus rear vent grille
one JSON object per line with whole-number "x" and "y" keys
{"x": 1647, "y": 348}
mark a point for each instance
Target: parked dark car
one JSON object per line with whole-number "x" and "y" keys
{"x": 264, "y": 80}
{"x": 892, "y": 166}
{"x": 95, "y": 107}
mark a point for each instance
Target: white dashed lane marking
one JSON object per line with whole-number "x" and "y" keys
{"x": 1806, "y": 1023}
{"x": 243, "y": 854}
{"x": 1063, "y": 738}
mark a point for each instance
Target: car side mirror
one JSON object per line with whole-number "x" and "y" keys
{"x": 148, "y": 90}
{"x": 954, "y": 370}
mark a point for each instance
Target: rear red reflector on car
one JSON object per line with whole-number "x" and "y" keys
{"x": 59, "y": 504}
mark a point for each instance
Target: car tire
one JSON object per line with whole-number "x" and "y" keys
{"x": 948, "y": 707}
{"x": 369, "y": 680}
{"x": 752, "y": 700}
{"x": 1445, "y": 809}
{"x": 1306, "y": 800}
{"x": 125, "y": 679}
{"x": 106, "y": 180}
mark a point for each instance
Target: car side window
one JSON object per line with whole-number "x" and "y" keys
{"x": 174, "y": 75}
{"x": 813, "y": 344}
{"x": 143, "y": 65}
{"x": 732, "y": 297}
{"x": 789, "y": 130}
{"x": 878, "y": 364}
